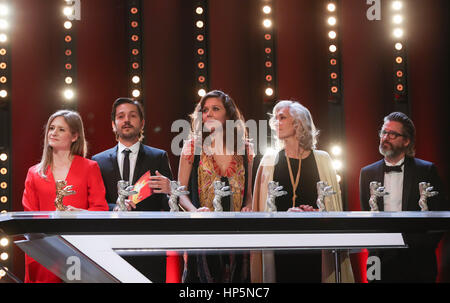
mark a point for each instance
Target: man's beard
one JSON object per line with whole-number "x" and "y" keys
{"x": 393, "y": 152}
{"x": 131, "y": 135}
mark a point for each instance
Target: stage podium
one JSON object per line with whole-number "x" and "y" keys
{"x": 87, "y": 246}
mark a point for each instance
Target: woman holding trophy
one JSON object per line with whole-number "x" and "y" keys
{"x": 63, "y": 180}
{"x": 217, "y": 172}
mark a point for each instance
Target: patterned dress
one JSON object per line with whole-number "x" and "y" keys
{"x": 229, "y": 267}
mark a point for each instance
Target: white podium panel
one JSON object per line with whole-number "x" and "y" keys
{"x": 95, "y": 241}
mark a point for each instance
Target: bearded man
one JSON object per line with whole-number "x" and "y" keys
{"x": 400, "y": 173}
{"x": 128, "y": 161}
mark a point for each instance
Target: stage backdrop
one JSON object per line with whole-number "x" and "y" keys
{"x": 235, "y": 66}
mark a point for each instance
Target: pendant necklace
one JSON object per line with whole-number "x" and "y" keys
{"x": 297, "y": 179}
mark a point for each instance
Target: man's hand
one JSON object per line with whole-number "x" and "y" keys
{"x": 159, "y": 184}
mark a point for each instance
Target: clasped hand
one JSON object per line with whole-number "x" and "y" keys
{"x": 301, "y": 208}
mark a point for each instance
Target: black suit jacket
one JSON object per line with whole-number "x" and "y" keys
{"x": 415, "y": 171}
{"x": 149, "y": 158}
{"x": 418, "y": 262}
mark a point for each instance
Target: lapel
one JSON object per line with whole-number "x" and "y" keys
{"x": 114, "y": 164}
{"x": 138, "y": 169}
{"x": 407, "y": 181}
{"x": 379, "y": 177}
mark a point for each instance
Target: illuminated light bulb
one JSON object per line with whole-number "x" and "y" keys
{"x": 269, "y": 91}
{"x": 201, "y": 92}
{"x": 135, "y": 79}
{"x": 336, "y": 150}
{"x": 199, "y": 24}
{"x": 267, "y": 23}
{"x": 397, "y": 19}
{"x": 397, "y": 5}
{"x": 398, "y": 46}
{"x": 4, "y": 10}
{"x": 136, "y": 93}
{"x": 4, "y": 24}
{"x": 68, "y": 94}
{"x": 338, "y": 177}
{"x": 333, "y": 48}
{"x": 332, "y": 21}
{"x": 267, "y": 9}
{"x": 3, "y": 157}
{"x": 4, "y": 256}
{"x": 3, "y": 93}
{"x": 4, "y": 199}
{"x": 3, "y": 37}
{"x": 67, "y": 25}
{"x": 67, "y": 11}
{"x": 332, "y": 34}
{"x": 337, "y": 164}
{"x": 199, "y": 10}
{"x": 4, "y": 242}
{"x": 68, "y": 80}
{"x": 2, "y": 273}
{"x": 398, "y": 33}
{"x": 331, "y": 7}
{"x": 3, "y": 171}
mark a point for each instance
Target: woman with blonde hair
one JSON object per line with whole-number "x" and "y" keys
{"x": 297, "y": 166}
{"x": 63, "y": 158}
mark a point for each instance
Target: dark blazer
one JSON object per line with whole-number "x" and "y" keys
{"x": 418, "y": 262}
{"x": 415, "y": 171}
{"x": 149, "y": 158}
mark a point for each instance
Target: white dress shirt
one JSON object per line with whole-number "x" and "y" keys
{"x": 393, "y": 184}
{"x": 133, "y": 158}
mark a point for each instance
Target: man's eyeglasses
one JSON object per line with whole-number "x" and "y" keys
{"x": 391, "y": 135}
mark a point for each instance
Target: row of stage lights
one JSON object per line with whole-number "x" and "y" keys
{"x": 334, "y": 83}
{"x": 135, "y": 49}
{"x": 69, "y": 51}
{"x": 5, "y": 161}
{"x": 201, "y": 46}
{"x": 269, "y": 66}
{"x": 4, "y": 50}
{"x": 334, "y": 76}
{"x": 400, "y": 89}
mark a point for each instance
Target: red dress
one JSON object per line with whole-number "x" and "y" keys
{"x": 39, "y": 195}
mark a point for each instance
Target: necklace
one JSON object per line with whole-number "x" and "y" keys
{"x": 297, "y": 178}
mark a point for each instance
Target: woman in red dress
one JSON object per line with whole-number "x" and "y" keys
{"x": 63, "y": 158}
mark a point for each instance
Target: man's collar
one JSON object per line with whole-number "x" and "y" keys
{"x": 400, "y": 162}
{"x": 134, "y": 148}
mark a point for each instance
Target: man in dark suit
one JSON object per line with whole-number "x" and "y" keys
{"x": 129, "y": 160}
{"x": 400, "y": 173}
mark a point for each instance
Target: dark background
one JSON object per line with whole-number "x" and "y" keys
{"x": 235, "y": 66}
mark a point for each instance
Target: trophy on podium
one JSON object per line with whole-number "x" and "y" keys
{"x": 176, "y": 191}
{"x": 124, "y": 190}
{"x": 274, "y": 190}
{"x": 376, "y": 190}
{"x": 220, "y": 191}
{"x": 425, "y": 191}
{"x": 323, "y": 190}
{"x": 62, "y": 190}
